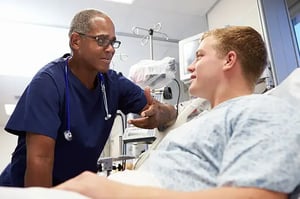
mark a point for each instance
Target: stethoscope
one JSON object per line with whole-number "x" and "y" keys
{"x": 68, "y": 135}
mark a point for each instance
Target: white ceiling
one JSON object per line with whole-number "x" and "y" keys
{"x": 179, "y": 19}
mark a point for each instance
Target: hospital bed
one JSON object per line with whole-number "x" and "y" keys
{"x": 289, "y": 90}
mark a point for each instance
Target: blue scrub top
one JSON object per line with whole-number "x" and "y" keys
{"x": 41, "y": 109}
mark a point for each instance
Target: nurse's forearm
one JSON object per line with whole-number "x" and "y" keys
{"x": 39, "y": 160}
{"x": 38, "y": 174}
{"x": 168, "y": 115}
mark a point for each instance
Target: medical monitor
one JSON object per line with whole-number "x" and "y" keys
{"x": 187, "y": 54}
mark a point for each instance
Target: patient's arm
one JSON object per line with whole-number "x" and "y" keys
{"x": 95, "y": 187}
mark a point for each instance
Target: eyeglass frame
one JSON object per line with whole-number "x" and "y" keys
{"x": 105, "y": 42}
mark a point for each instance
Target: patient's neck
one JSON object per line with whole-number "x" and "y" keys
{"x": 226, "y": 93}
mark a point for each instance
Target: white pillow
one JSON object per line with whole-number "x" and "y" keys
{"x": 289, "y": 89}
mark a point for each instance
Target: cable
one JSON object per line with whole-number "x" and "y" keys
{"x": 122, "y": 120}
{"x": 179, "y": 93}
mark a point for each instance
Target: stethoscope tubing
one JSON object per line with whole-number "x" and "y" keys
{"x": 68, "y": 135}
{"x": 108, "y": 116}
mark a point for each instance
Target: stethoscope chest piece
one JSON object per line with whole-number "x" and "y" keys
{"x": 68, "y": 135}
{"x": 108, "y": 116}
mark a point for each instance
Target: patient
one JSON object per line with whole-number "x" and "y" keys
{"x": 246, "y": 146}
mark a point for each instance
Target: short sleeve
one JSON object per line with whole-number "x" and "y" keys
{"x": 132, "y": 98}
{"x": 263, "y": 150}
{"x": 38, "y": 108}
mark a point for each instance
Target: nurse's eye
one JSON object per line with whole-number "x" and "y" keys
{"x": 102, "y": 40}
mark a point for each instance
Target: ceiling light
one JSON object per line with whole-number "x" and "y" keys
{"x": 9, "y": 108}
{"x": 122, "y": 1}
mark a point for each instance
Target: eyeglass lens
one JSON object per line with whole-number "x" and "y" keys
{"x": 105, "y": 42}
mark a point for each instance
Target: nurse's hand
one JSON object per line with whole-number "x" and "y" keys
{"x": 155, "y": 114}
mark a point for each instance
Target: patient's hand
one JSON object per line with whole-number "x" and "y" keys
{"x": 91, "y": 185}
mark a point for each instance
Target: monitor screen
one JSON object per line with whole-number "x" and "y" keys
{"x": 187, "y": 54}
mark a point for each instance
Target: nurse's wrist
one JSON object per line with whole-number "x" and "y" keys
{"x": 168, "y": 116}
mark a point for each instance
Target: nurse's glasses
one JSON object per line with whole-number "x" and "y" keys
{"x": 102, "y": 40}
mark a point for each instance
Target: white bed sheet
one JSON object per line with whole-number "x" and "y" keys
{"x": 37, "y": 193}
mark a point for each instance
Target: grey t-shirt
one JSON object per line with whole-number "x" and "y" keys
{"x": 249, "y": 141}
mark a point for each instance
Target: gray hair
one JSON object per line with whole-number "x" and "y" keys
{"x": 81, "y": 21}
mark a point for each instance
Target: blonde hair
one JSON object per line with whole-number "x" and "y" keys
{"x": 247, "y": 43}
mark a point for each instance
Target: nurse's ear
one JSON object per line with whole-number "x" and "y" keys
{"x": 74, "y": 40}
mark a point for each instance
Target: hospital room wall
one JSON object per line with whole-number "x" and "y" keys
{"x": 269, "y": 17}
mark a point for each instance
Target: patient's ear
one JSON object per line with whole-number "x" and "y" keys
{"x": 230, "y": 60}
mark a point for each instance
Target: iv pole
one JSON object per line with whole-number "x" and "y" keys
{"x": 156, "y": 29}
{"x": 151, "y": 31}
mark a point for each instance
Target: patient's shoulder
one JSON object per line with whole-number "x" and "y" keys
{"x": 256, "y": 102}
{"x": 258, "y": 107}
